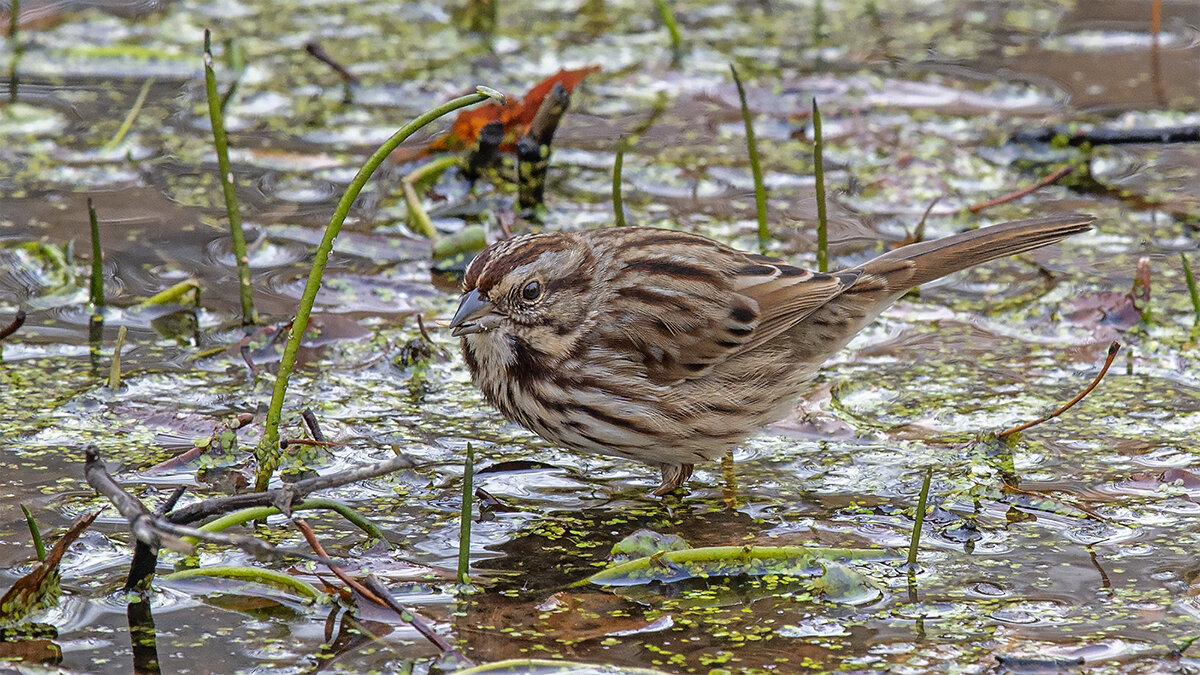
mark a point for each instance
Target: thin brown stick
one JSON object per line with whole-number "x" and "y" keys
{"x": 17, "y": 322}
{"x": 318, "y": 52}
{"x": 919, "y": 233}
{"x": 374, "y": 592}
{"x": 1112, "y": 354}
{"x": 1048, "y": 180}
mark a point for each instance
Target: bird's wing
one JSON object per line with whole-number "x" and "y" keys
{"x": 688, "y": 311}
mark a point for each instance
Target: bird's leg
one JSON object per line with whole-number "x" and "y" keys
{"x": 673, "y": 476}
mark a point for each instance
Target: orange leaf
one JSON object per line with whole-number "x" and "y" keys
{"x": 516, "y": 115}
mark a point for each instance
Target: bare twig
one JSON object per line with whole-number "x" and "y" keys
{"x": 375, "y": 592}
{"x": 1184, "y": 134}
{"x": 157, "y": 532}
{"x": 294, "y": 493}
{"x": 1048, "y": 180}
{"x": 14, "y": 326}
{"x": 919, "y": 233}
{"x": 1112, "y": 354}
{"x": 318, "y": 52}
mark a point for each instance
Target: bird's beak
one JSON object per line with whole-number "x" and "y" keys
{"x": 474, "y": 312}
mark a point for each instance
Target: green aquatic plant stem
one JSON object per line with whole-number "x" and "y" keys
{"x": 247, "y": 515}
{"x": 723, "y": 561}
{"x": 131, "y": 117}
{"x": 173, "y": 293}
{"x": 464, "y": 523}
{"x": 760, "y": 192}
{"x": 618, "y": 201}
{"x": 96, "y": 290}
{"x": 919, "y": 519}
{"x": 241, "y": 258}
{"x": 35, "y": 533}
{"x": 268, "y": 448}
{"x": 255, "y": 574}
{"x": 1191, "y": 284}
{"x": 429, "y": 170}
{"x": 819, "y": 176}
{"x": 668, "y": 19}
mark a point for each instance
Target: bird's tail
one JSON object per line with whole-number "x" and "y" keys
{"x": 919, "y": 263}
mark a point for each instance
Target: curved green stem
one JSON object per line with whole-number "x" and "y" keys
{"x": 259, "y": 512}
{"x": 268, "y": 448}
{"x": 255, "y": 574}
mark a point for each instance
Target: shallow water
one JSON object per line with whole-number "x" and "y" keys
{"x": 1095, "y": 561}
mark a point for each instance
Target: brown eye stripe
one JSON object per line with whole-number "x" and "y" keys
{"x": 506, "y": 261}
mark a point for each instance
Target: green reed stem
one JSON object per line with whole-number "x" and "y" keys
{"x": 255, "y": 574}
{"x": 35, "y": 533}
{"x": 96, "y": 290}
{"x": 819, "y": 175}
{"x": 618, "y": 200}
{"x": 247, "y": 515}
{"x": 14, "y": 27}
{"x": 235, "y": 58}
{"x": 668, "y": 19}
{"x": 919, "y": 519}
{"x": 268, "y": 448}
{"x": 431, "y": 171}
{"x": 131, "y": 117}
{"x": 464, "y": 522}
{"x": 114, "y": 373}
{"x": 1191, "y": 284}
{"x": 760, "y": 192}
{"x": 227, "y": 187}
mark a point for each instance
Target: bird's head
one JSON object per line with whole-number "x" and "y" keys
{"x": 526, "y": 297}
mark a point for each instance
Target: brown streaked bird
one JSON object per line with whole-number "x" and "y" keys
{"x": 670, "y": 348}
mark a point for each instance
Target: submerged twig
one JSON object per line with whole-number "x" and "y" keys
{"x": 1112, "y": 354}
{"x": 1048, "y": 180}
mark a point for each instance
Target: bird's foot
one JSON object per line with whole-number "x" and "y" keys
{"x": 673, "y": 477}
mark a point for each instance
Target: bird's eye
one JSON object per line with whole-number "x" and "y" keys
{"x": 532, "y": 291}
